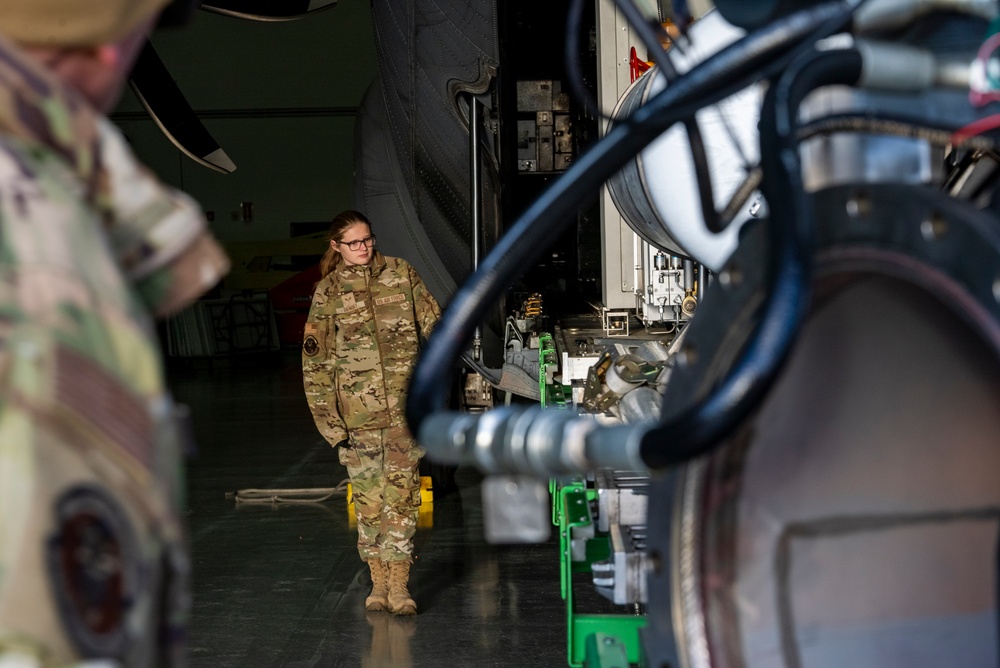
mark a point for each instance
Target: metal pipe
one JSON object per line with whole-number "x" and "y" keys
{"x": 702, "y": 282}
{"x": 475, "y": 190}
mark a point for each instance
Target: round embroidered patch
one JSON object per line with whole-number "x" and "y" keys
{"x": 93, "y": 564}
{"x": 310, "y": 346}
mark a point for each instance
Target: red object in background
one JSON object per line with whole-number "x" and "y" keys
{"x": 636, "y": 66}
{"x": 290, "y": 301}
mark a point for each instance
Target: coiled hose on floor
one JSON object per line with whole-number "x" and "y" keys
{"x": 303, "y": 495}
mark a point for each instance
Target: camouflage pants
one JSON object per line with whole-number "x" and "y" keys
{"x": 385, "y": 480}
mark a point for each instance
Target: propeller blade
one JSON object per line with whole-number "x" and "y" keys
{"x": 165, "y": 103}
{"x": 267, "y": 10}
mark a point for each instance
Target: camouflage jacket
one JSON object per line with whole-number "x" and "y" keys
{"x": 91, "y": 538}
{"x": 361, "y": 342}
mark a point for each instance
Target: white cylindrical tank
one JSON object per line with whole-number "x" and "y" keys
{"x": 657, "y": 192}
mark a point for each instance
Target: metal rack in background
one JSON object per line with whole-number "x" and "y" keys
{"x": 243, "y": 323}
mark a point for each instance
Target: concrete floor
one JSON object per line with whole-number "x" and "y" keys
{"x": 284, "y": 586}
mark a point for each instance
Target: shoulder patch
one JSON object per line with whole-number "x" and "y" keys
{"x": 312, "y": 328}
{"x": 310, "y": 346}
{"x": 93, "y": 561}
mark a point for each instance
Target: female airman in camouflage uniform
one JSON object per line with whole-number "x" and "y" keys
{"x": 368, "y": 314}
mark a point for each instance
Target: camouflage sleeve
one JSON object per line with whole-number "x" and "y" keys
{"x": 319, "y": 371}
{"x": 426, "y": 307}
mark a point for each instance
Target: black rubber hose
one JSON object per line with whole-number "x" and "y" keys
{"x": 703, "y": 176}
{"x": 697, "y": 430}
{"x": 934, "y": 131}
{"x": 730, "y": 70}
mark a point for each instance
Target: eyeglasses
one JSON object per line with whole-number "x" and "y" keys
{"x": 368, "y": 241}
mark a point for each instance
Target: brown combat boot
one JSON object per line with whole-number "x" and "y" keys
{"x": 379, "y": 598}
{"x": 400, "y": 602}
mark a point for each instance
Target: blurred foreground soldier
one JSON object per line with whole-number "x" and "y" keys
{"x": 92, "y": 556}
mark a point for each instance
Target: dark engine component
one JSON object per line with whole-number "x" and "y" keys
{"x": 853, "y": 519}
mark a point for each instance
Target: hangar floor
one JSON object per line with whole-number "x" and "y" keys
{"x": 284, "y": 587}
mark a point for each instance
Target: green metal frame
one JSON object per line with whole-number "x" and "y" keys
{"x": 597, "y": 640}
{"x": 556, "y": 501}
{"x": 554, "y": 395}
{"x": 574, "y": 500}
{"x": 606, "y": 651}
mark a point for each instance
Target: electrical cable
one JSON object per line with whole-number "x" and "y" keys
{"x": 940, "y": 133}
{"x": 965, "y": 141}
{"x": 177, "y": 13}
{"x": 755, "y": 56}
{"x": 964, "y": 135}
